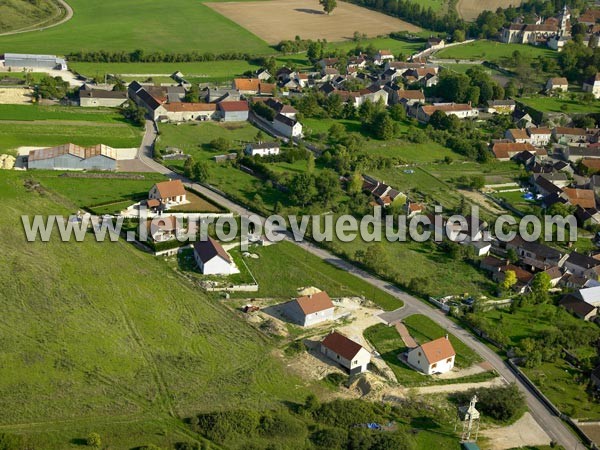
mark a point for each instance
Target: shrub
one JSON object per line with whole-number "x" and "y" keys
{"x": 330, "y": 438}
{"x": 93, "y": 440}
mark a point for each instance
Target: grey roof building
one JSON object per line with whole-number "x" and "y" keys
{"x": 50, "y": 62}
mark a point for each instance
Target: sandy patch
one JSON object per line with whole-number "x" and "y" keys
{"x": 277, "y": 20}
{"x": 524, "y": 432}
{"x": 15, "y": 96}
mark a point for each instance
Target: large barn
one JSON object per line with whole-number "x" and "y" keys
{"x": 73, "y": 157}
{"x": 48, "y": 62}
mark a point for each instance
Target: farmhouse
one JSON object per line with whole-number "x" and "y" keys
{"x": 410, "y": 97}
{"x": 310, "y": 309}
{"x": 382, "y": 57}
{"x": 592, "y": 85}
{"x": 166, "y": 192}
{"x": 349, "y": 354}
{"x": 48, "y": 62}
{"x": 567, "y": 135}
{"x": 433, "y": 357}
{"x": 89, "y": 97}
{"x": 504, "y": 151}
{"x": 518, "y": 135}
{"x": 212, "y": 259}
{"x": 287, "y": 127}
{"x": 539, "y": 137}
{"x": 234, "y": 111}
{"x": 462, "y": 111}
{"x": 262, "y": 149}
{"x": 581, "y": 265}
{"x": 578, "y": 307}
{"x": 559, "y": 83}
{"x": 73, "y": 157}
{"x": 501, "y": 106}
{"x": 183, "y": 112}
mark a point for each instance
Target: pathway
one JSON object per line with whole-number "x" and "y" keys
{"x": 405, "y": 335}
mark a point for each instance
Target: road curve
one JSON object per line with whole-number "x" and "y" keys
{"x": 550, "y": 423}
{"x": 67, "y": 17}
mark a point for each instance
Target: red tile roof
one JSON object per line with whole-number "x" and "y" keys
{"x": 170, "y": 188}
{"x": 189, "y": 107}
{"x": 581, "y": 197}
{"x": 438, "y": 350}
{"x": 233, "y": 106}
{"x": 313, "y": 303}
{"x": 340, "y": 344}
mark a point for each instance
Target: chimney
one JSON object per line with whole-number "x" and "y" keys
{"x": 446, "y": 336}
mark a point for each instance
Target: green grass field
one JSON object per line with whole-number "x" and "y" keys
{"x": 175, "y": 26}
{"x": 90, "y": 192}
{"x": 385, "y": 43}
{"x": 102, "y": 337}
{"x": 561, "y": 105}
{"x": 492, "y": 51}
{"x": 40, "y": 112}
{"x": 388, "y": 343}
{"x": 193, "y": 71}
{"x": 308, "y": 270}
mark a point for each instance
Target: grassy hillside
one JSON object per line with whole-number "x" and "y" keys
{"x": 101, "y": 337}
{"x": 173, "y": 26}
{"x": 20, "y": 14}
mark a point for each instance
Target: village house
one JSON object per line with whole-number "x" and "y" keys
{"x": 435, "y": 43}
{"x": 216, "y": 95}
{"x": 557, "y": 84}
{"x": 262, "y": 149}
{"x": 501, "y": 106}
{"x": 590, "y": 295}
{"x": 246, "y": 86}
{"x": 347, "y": 353}
{"x": 536, "y": 255}
{"x": 592, "y": 85}
{"x": 524, "y": 277}
{"x": 581, "y": 197}
{"x": 578, "y": 307}
{"x": 462, "y": 111}
{"x": 409, "y": 97}
{"x": 539, "y": 137}
{"x": 575, "y": 153}
{"x": 310, "y": 309}
{"x": 581, "y": 265}
{"x": 73, "y": 157}
{"x": 233, "y": 111}
{"x": 163, "y": 229}
{"x": 89, "y": 97}
{"x": 517, "y": 135}
{"x": 168, "y": 192}
{"x": 212, "y": 259}
{"x": 382, "y": 57}
{"x": 566, "y": 135}
{"x": 434, "y": 357}
{"x": 183, "y": 112}
{"x": 504, "y": 151}
{"x": 287, "y": 126}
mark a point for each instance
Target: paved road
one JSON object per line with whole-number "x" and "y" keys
{"x": 555, "y": 428}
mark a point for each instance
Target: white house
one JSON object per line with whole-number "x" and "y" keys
{"x": 287, "y": 126}
{"x": 593, "y": 85}
{"x": 171, "y": 191}
{"x": 383, "y": 56}
{"x": 557, "y": 83}
{"x": 212, "y": 259}
{"x": 433, "y": 357}
{"x": 310, "y": 309}
{"x": 539, "y": 137}
{"x": 262, "y": 149}
{"x": 349, "y": 354}
{"x": 462, "y": 111}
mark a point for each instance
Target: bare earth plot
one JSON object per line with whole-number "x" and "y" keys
{"x": 470, "y": 9}
{"x": 287, "y": 19}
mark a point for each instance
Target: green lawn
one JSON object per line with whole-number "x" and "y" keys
{"x": 90, "y": 192}
{"x": 194, "y": 139}
{"x": 385, "y": 43}
{"x": 39, "y": 112}
{"x": 102, "y": 337}
{"x": 388, "y": 343}
{"x": 307, "y": 270}
{"x": 399, "y": 148}
{"x": 561, "y": 105}
{"x": 175, "y": 26}
{"x": 15, "y": 135}
{"x": 492, "y": 51}
{"x": 193, "y": 71}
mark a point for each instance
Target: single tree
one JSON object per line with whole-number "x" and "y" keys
{"x": 328, "y": 5}
{"x": 510, "y": 279}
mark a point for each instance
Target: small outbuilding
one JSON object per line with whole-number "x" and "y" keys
{"x": 346, "y": 352}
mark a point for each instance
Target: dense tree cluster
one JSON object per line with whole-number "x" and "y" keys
{"x": 475, "y": 86}
{"x": 158, "y": 56}
{"x": 51, "y": 88}
{"x": 500, "y": 403}
{"x": 133, "y": 113}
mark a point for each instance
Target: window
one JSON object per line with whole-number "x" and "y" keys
{"x": 434, "y": 365}
{"x": 449, "y": 360}
{"x": 419, "y": 353}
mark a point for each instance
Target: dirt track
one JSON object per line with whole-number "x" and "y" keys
{"x": 39, "y": 27}
{"x": 470, "y": 9}
{"x": 277, "y": 20}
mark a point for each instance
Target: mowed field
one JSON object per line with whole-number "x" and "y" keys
{"x": 470, "y": 9}
{"x": 175, "y": 26}
{"x": 276, "y": 20}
